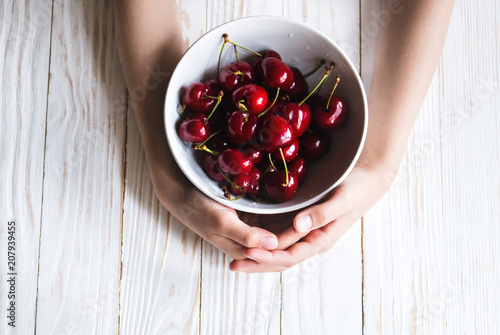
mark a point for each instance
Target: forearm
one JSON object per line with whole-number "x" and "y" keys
{"x": 408, "y": 51}
{"x": 149, "y": 43}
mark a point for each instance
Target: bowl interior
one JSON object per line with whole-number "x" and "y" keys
{"x": 299, "y": 46}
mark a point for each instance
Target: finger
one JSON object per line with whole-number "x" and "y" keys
{"x": 319, "y": 215}
{"x": 251, "y": 266}
{"x": 250, "y": 237}
{"x": 288, "y": 237}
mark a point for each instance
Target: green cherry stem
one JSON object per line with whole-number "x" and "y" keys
{"x": 270, "y": 106}
{"x": 286, "y": 169}
{"x": 337, "y": 80}
{"x": 181, "y": 111}
{"x": 208, "y": 139}
{"x": 205, "y": 148}
{"x": 229, "y": 180}
{"x": 226, "y": 40}
{"x": 236, "y": 53}
{"x": 325, "y": 76}
{"x": 220, "y": 55}
{"x": 219, "y": 99}
{"x": 272, "y": 163}
{"x": 321, "y": 63}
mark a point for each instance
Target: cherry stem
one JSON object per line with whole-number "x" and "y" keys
{"x": 242, "y": 107}
{"x": 219, "y": 99}
{"x": 270, "y": 106}
{"x": 203, "y": 147}
{"x": 220, "y": 55}
{"x": 181, "y": 111}
{"x": 229, "y": 180}
{"x": 337, "y": 80}
{"x": 236, "y": 53}
{"x": 325, "y": 76}
{"x": 321, "y": 63}
{"x": 210, "y": 96}
{"x": 238, "y": 198}
{"x": 208, "y": 139}
{"x": 226, "y": 40}
{"x": 272, "y": 163}
{"x": 286, "y": 169}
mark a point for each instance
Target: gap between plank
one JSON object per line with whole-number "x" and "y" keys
{"x": 43, "y": 168}
{"x": 122, "y": 214}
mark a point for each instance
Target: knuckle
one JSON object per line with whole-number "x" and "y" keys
{"x": 250, "y": 239}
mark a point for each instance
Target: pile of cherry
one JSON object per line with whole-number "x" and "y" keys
{"x": 257, "y": 132}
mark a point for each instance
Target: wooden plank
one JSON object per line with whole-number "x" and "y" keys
{"x": 161, "y": 257}
{"x": 237, "y": 303}
{"x": 470, "y": 127}
{"x": 80, "y": 236}
{"x": 402, "y": 238}
{"x": 427, "y": 270}
{"x": 323, "y": 295}
{"x": 24, "y": 68}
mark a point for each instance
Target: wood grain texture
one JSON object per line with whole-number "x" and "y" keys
{"x": 161, "y": 261}
{"x": 80, "y": 235}
{"x": 470, "y": 127}
{"x": 25, "y": 41}
{"x": 423, "y": 274}
{"x": 323, "y": 294}
{"x": 237, "y": 303}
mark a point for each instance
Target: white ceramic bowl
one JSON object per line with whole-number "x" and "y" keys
{"x": 300, "y": 46}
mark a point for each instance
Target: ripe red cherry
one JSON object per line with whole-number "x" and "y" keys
{"x": 254, "y": 153}
{"x": 313, "y": 146}
{"x": 233, "y": 161}
{"x": 194, "y": 129}
{"x": 248, "y": 182}
{"x": 275, "y": 133}
{"x": 242, "y": 127}
{"x": 212, "y": 168}
{"x": 276, "y": 186}
{"x": 276, "y": 74}
{"x": 299, "y": 117}
{"x": 333, "y": 118}
{"x": 299, "y": 88}
{"x": 289, "y": 152}
{"x": 253, "y": 97}
{"x": 195, "y": 97}
{"x": 299, "y": 167}
{"x": 235, "y": 75}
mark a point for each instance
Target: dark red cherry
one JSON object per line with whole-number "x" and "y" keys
{"x": 275, "y": 133}
{"x": 299, "y": 88}
{"x": 277, "y": 188}
{"x": 252, "y": 96}
{"x": 242, "y": 127}
{"x": 333, "y": 118}
{"x": 289, "y": 152}
{"x": 195, "y": 97}
{"x": 220, "y": 142}
{"x": 233, "y": 161}
{"x": 313, "y": 146}
{"x": 299, "y": 117}
{"x": 212, "y": 168}
{"x": 194, "y": 129}
{"x": 299, "y": 167}
{"x": 275, "y": 73}
{"x": 249, "y": 183}
{"x": 255, "y": 154}
{"x": 235, "y": 75}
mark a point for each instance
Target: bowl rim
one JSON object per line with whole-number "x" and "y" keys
{"x": 285, "y": 209}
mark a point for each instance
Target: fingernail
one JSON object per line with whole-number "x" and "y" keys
{"x": 304, "y": 223}
{"x": 269, "y": 243}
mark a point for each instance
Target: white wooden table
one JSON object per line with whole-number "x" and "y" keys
{"x": 96, "y": 254}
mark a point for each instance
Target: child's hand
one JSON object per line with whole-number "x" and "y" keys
{"x": 317, "y": 228}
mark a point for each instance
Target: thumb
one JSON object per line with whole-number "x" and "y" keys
{"x": 250, "y": 237}
{"x": 319, "y": 215}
